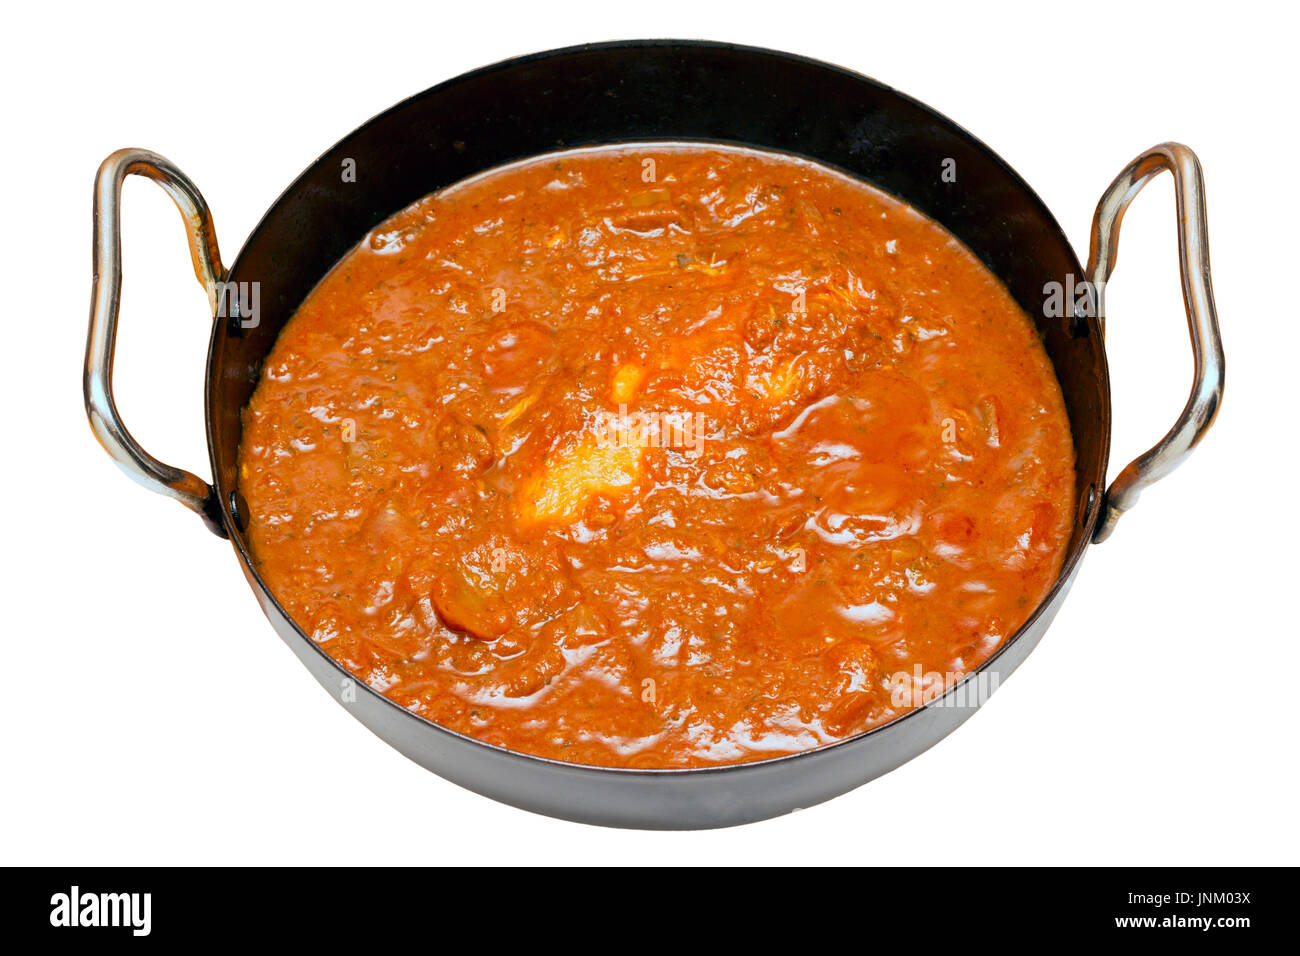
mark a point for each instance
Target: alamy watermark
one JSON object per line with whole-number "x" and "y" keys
{"x": 238, "y": 300}
{"x": 1074, "y": 298}
{"x": 126, "y": 910}
{"x": 651, "y": 429}
{"x": 952, "y": 689}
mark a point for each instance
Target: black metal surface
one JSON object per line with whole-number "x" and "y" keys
{"x": 657, "y": 90}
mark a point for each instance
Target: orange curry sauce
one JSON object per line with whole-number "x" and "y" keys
{"x": 658, "y": 456}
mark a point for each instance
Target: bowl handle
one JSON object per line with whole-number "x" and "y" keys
{"x": 1198, "y": 299}
{"x": 187, "y": 488}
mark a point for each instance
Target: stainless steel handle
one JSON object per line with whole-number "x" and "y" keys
{"x": 1198, "y": 299}
{"x": 105, "y": 297}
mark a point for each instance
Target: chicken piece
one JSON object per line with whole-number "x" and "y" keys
{"x": 470, "y": 602}
{"x": 571, "y": 476}
{"x": 626, "y": 381}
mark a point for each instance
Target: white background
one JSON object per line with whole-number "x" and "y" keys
{"x": 149, "y": 714}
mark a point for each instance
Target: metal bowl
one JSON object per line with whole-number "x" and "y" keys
{"x": 658, "y": 91}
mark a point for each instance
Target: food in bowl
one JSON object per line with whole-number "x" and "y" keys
{"x": 658, "y": 455}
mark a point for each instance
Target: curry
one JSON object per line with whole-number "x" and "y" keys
{"x": 662, "y": 455}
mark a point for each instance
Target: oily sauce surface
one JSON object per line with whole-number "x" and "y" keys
{"x": 658, "y": 456}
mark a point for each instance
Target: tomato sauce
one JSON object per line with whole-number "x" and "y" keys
{"x": 664, "y": 455}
